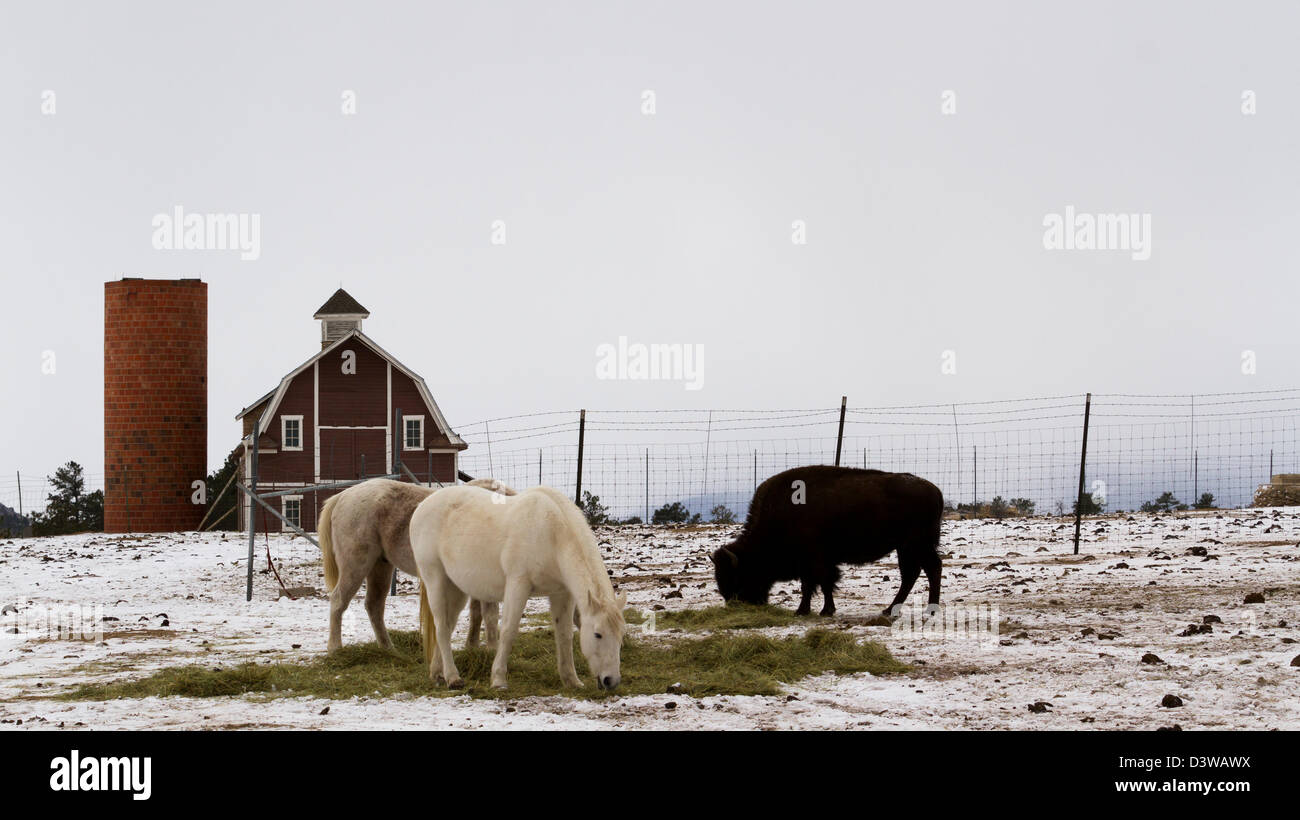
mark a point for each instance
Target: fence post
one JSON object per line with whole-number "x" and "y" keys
{"x": 975, "y": 473}
{"x": 647, "y": 485}
{"x": 956, "y": 435}
{"x": 539, "y": 466}
{"x": 399, "y": 441}
{"x": 397, "y": 448}
{"x": 19, "y": 473}
{"x": 708, "y": 437}
{"x": 430, "y": 470}
{"x": 1083, "y": 461}
{"x": 839, "y": 439}
{"x": 252, "y": 517}
{"x": 1196, "y": 476}
{"x": 582, "y": 433}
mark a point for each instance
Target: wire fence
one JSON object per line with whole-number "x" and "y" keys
{"x": 36, "y": 490}
{"x": 1022, "y": 450}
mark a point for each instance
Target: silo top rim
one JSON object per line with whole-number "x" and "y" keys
{"x": 341, "y": 304}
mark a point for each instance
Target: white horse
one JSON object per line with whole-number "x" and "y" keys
{"x": 364, "y": 532}
{"x": 468, "y": 542}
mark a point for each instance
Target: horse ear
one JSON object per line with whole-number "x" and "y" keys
{"x": 621, "y": 598}
{"x": 735, "y": 559}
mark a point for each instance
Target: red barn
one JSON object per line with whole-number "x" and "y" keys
{"x": 332, "y": 417}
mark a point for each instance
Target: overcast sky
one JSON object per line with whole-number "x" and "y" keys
{"x": 924, "y": 229}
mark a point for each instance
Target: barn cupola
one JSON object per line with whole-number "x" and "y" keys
{"x": 339, "y": 316}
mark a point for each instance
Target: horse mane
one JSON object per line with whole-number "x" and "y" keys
{"x": 493, "y": 485}
{"x": 585, "y": 539}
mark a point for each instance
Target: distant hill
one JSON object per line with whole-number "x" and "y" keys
{"x": 12, "y": 522}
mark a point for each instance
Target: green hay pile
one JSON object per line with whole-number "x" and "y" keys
{"x": 720, "y": 663}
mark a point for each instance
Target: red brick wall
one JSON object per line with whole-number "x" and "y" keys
{"x": 155, "y": 403}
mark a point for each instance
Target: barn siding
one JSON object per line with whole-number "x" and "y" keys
{"x": 345, "y": 401}
{"x": 286, "y": 465}
{"x": 355, "y": 400}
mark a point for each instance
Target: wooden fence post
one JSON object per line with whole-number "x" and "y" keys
{"x": 1083, "y": 462}
{"x": 839, "y": 440}
{"x": 252, "y": 517}
{"x": 582, "y": 432}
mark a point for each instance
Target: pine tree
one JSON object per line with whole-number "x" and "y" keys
{"x": 69, "y": 508}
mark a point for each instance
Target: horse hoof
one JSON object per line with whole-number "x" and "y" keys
{"x": 456, "y": 684}
{"x": 826, "y": 613}
{"x": 801, "y": 611}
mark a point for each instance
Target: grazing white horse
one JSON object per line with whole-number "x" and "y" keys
{"x": 364, "y": 532}
{"x": 468, "y": 542}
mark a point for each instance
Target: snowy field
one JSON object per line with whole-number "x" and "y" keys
{"x": 1068, "y": 654}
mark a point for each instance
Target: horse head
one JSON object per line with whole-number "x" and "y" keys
{"x": 601, "y": 638}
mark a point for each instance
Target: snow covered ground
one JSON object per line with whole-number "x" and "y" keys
{"x": 1072, "y": 632}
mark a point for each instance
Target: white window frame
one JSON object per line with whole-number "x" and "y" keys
{"x": 284, "y": 434}
{"x": 284, "y": 509}
{"x": 406, "y": 445}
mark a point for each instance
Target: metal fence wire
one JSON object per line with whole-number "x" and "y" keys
{"x": 1025, "y": 450}
{"x": 1022, "y": 450}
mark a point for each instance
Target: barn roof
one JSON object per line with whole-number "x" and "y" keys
{"x": 341, "y": 304}
{"x": 244, "y": 411}
{"x": 278, "y": 393}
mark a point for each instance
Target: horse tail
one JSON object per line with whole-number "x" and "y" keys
{"x": 326, "y": 549}
{"x": 428, "y": 632}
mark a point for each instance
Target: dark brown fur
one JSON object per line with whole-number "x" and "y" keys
{"x": 850, "y": 516}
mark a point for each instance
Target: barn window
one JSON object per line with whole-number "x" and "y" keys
{"x": 413, "y": 433}
{"x": 291, "y": 509}
{"x": 291, "y": 432}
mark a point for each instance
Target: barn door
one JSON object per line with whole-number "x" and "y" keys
{"x": 337, "y": 462}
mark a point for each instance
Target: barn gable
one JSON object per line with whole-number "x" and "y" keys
{"x": 368, "y": 352}
{"x": 333, "y": 418}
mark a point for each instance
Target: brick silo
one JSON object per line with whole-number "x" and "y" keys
{"x": 155, "y": 403}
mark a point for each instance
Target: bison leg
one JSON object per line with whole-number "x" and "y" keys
{"x": 933, "y": 567}
{"x": 828, "y": 607}
{"x": 829, "y": 580}
{"x": 910, "y": 567}
{"x": 808, "y": 587}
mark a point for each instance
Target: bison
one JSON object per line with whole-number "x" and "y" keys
{"x": 803, "y": 523}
